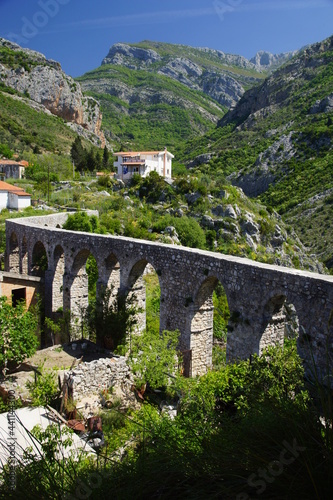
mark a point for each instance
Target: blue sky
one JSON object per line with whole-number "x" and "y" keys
{"x": 78, "y": 33}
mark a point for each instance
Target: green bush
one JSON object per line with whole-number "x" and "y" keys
{"x": 188, "y": 229}
{"x": 44, "y": 389}
{"x": 18, "y": 332}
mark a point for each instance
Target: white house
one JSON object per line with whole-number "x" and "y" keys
{"x": 143, "y": 162}
{"x": 13, "y": 197}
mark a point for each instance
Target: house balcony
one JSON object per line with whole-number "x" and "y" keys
{"x": 133, "y": 161}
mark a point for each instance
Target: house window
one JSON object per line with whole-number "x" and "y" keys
{"x": 167, "y": 171}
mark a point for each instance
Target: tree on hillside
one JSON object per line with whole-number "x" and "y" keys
{"x": 18, "y": 338}
{"x": 5, "y": 151}
{"x": 78, "y": 154}
{"x": 111, "y": 319}
{"x": 106, "y": 158}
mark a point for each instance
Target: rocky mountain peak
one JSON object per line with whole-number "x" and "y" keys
{"x": 119, "y": 53}
{"x": 264, "y": 61}
{"x": 189, "y": 66}
{"x": 31, "y": 54}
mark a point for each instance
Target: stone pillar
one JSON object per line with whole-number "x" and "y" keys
{"x": 201, "y": 337}
{"x": 244, "y": 327}
{"x": 138, "y": 291}
{"x": 14, "y": 257}
{"x": 78, "y": 298}
{"x": 48, "y": 286}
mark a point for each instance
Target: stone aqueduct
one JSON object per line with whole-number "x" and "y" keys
{"x": 256, "y": 292}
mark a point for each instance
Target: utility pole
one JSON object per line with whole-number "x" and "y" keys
{"x": 48, "y": 184}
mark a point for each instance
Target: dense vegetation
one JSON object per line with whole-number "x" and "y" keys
{"x": 25, "y": 129}
{"x": 152, "y": 209}
{"x": 18, "y": 337}
{"x": 246, "y": 429}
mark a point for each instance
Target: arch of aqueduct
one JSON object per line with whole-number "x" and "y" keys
{"x": 256, "y": 292}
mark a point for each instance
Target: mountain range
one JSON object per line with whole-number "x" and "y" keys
{"x": 264, "y": 125}
{"x": 154, "y": 92}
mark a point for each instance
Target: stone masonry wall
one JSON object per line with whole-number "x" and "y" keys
{"x": 95, "y": 376}
{"x": 255, "y": 292}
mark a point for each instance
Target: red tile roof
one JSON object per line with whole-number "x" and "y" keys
{"x": 4, "y": 186}
{"x": 22, "y": 163}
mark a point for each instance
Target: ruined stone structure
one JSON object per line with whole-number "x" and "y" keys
{"x": 17, "y": 287}
{"x": 256, "y": 292}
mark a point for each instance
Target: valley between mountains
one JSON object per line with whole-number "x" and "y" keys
{"x": 252, "y": 141}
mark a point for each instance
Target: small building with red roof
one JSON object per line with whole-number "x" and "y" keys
{"x": 12, "y": 169}
{"x": 13, "y": 197}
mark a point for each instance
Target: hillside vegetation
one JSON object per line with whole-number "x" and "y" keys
{"x": 147, "y": 110}
{"x": 277, "y": 146}
{"x": 155, "y": 94}
{"x": 24, "y": 128}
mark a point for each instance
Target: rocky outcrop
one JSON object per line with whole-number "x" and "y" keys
{"x": 257, "y": 179}
{"x": 200, "y": 160}
{"x": 323, "y": 105}
{"x": 223, "y": 88}
{"x": 120, "y": 53}
{"x": 31, "y": 54}
{"x": 264, "y": 61}
{"x": 219, "y": 84}
{"x": 229, "y": 59}
{"x": 211, "y": 71}
{"x": 45, "y": 83}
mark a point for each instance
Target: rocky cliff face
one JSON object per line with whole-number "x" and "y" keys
{"x": 199, "y": 69}
{"x": 211, "y": 71}
{"x": 267, "y": 61}
{"x": 280, "y": 145}
{"x": 44, "y": 82}
{"x": 145, "y": 96}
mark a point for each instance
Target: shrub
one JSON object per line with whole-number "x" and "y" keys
{"x": 44, "y": 388}
{"x": 18, "y": 327}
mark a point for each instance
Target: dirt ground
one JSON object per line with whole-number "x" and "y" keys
{"x": 60, "y": 358}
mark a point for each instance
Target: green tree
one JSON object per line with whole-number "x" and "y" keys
{"x": 106, "y": 158}
{"x": 78, "y": 154}
{"x": 5, "y": 151}
{"x": 91, "y": 164}
{"x": 18, "y": 328}
{"x": 112, "y": 316}
{"x": 80, "y": 221}
{"x": 44, "y": 388}
{"x": 154, "y": 357}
